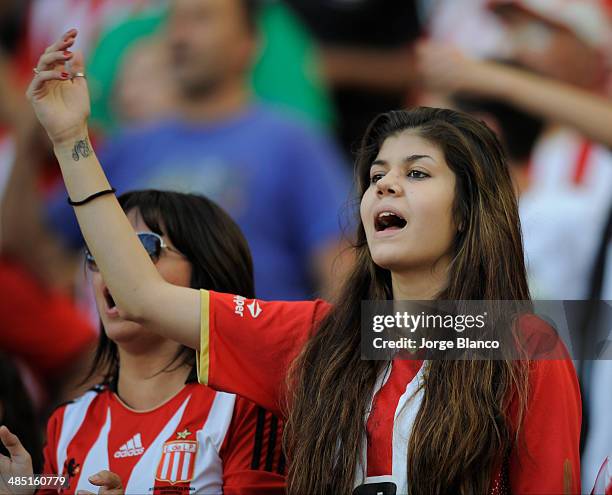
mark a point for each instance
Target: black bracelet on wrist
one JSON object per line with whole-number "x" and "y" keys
{"x": 92, "y": 197}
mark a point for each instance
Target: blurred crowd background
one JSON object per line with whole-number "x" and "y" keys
{"x": 259, "y": 106}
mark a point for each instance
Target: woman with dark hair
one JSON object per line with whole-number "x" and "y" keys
{"x": 150, "y": 426}
{"x": 438, "y": 221}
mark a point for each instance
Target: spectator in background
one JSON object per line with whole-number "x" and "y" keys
{"x": 277, "y": 178}
{"x": 566, "y": 212}
{"x": 47, "y": 332}
{"x": 518, "y": 132}
{"x": 284, "y": 73}
{"x": 109, "y": 64}
{"x": 446, "y": 69}
{"x": 559, "y": 232}
{"x": 148, "y": 380}
{"x": 366, "y": 51}
{"x": 570, "y": 177}
{"x": 40, "y": 324}
{"x": 47, "y": 18}
{"x": 603, "y": 485}
{"x": 565, "y": 41}
{"x": 144, "y": 91}
{"x": 596, "y": 374}
{"x": 12, "y": 18}
{"x": 12, "y": 15}
{"x": 469, "y": 25}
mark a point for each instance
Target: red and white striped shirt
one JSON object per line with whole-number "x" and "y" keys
{"x": 199, "y": 441}
{"x": 247, "y": 346}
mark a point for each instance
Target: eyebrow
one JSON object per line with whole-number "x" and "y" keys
{"x": 407, "y": 160}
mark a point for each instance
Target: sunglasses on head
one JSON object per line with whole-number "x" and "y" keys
{"x": 152, "y": 242}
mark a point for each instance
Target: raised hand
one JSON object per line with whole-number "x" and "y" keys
{"x": 109, "y": 483}
{"x": 445, "y": 69}
{"x": 18, "y": 464}
{"x": 59, "y": 95}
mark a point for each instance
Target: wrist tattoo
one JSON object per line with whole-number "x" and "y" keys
{"x": 81, "y": 149}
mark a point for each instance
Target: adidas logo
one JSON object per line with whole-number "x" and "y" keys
{"x": 131, "y": 448}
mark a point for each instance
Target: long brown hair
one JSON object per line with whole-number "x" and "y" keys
{"x": 462, "y": 431}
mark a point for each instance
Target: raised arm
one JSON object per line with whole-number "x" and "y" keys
{"x": 23, "y": 233}
{"x": 443, "y": 68}
{"x": 61, "y": 101}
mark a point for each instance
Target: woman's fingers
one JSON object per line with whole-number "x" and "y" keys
{"x": 64, "y": 42}
{"x": 50, "y": 61}
{"x": 61, "y": 45}
{"x": 78, "y": 63}
{"x": 107, "y": 479}
{"x": 17, "y": 451}
{"x": 109, "y": 482}
{"x": 59, "y": 94}
{"x": 57, "y": 53}
{"x": 42, "y": 77}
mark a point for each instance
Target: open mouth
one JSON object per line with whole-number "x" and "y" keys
{"x": 109, "y": 299}
{"x": 389, "y": 220}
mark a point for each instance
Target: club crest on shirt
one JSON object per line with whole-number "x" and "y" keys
{"x": 177, "y": 461}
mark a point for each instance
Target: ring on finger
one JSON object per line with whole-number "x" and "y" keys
{"x": 78, "y": 74}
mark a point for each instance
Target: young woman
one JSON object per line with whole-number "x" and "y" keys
{"x": 151, "y": 425}
{"x": 438, "y": 221}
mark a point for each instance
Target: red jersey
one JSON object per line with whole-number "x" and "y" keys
{"x": 247, "y": 346}
{"x": 199, "y": 441}
{"x": 42, "y": 327}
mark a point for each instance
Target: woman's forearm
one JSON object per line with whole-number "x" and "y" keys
{"x": 589, "y": 113}
{"x": 445, "y": 69}
{"x": 61, "y": 102}
{"x": 128, "y": 271}
{"x": 140, "y": 292}
{"x": 23, "y": 233}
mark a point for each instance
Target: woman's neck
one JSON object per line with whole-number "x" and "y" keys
{"x": 420, "y": 284}
{"x": 141, "y": 386}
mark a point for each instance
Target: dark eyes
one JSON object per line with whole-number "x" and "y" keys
{"x": 413, "y": 174}
{"x": 375, "y": 178}
{"x": 417, "y": 174}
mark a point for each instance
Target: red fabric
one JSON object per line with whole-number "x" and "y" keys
{"x": 547, "y": 459}
{"x": 382, "y": 415}
{"x": 82, "y": 449}
{"x": 239, "y": 476}
{"x": 43, "y": 328}
{"x": 582, "y": 162}
{"x": 250, "y": 356}
{"x": 280, "y": 331}
{"x": 54, "y": 429}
